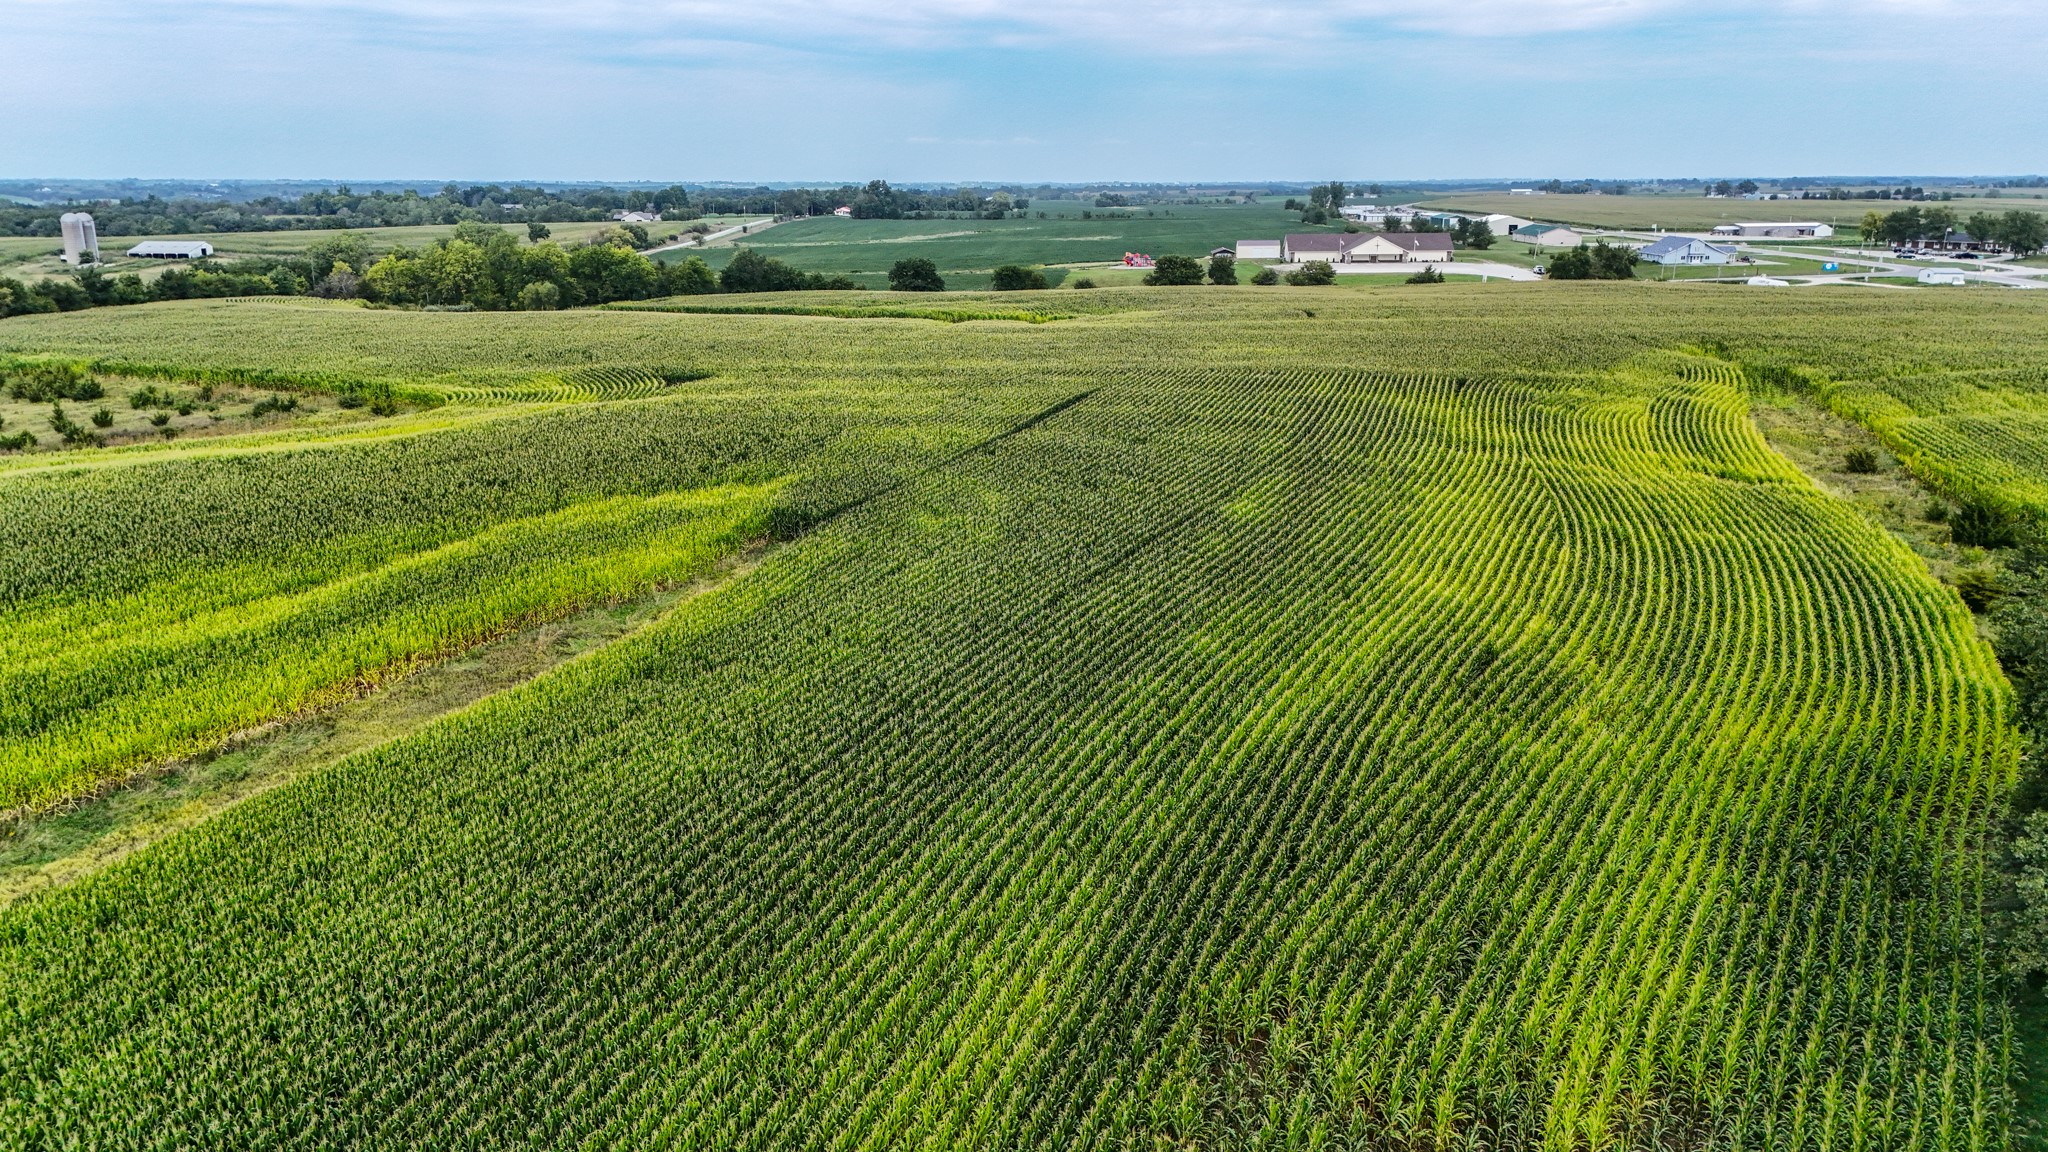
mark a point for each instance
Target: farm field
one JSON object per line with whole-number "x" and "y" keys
{"x": 966, "y": 250}
{"x": 1208, "y": 717}
{"x": 1691, "y": 213}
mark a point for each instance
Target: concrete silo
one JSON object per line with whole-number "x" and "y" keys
{"x": 80, "y": 236}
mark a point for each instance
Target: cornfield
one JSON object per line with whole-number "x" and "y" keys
{"x": 1424, "y": 724}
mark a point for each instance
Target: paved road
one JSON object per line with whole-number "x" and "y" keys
{"x": 1455, "y": 268}
{"x": 750, "y": 227}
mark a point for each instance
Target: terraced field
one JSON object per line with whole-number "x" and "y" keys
{"x": 1222, "y": 719}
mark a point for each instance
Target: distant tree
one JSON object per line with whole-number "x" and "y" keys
{"x": 540, "y": 296}
{"x": 1614, "y": 261}
{"x": 1223, "y": 269}
{"x": 350, "y": 248}
{"x": 1313, "y": 273}
{"x": 2024, "y": 232}
{"x": 537, "y": 232}
{"x": 1393, "y": 223}
{"x": 1746, "y": 187}
{"x": 749, "y": 271}
{"x": 1177, "y": 271}
{"x": 1017, "y": 278}
{"x": 1572, "y": 264}
{"x": 1937, "y": 223}
{"x": 1982, "y": 227}
{"x": 877, "y": 201}
{"x": 916, "y": 274}
{"x": 690, "y": 277}
{"x": 1265, "y": 277}
{"x": 1872, "y": 227}
{"x": 1478, "y": 234}
{"x": 606, "y": 272}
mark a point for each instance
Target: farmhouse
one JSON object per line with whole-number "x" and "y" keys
{"x": 1367, "y": 247}
{"x": 844, "y": 212}
{"x": 1805, "y": 229}
{"x": 1258, "y": 249}
{"x": 1549, "y": 235}
{"x": 172, "y": 249}
{"x": 1673, "y": 250}
{"x": 1952, "y": 277}
{"x": 625, "y": 217}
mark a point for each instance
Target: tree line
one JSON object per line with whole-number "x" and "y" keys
{"x": 2019, "y": 231}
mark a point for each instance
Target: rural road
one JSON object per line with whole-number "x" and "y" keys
{"x": 749, "y": 227}
{"x": 1455, "y": 268}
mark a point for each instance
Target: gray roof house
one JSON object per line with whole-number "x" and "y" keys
{"x": 1672, "y": 250}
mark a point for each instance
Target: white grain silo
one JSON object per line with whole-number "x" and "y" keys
{"x": 80, "y": 236}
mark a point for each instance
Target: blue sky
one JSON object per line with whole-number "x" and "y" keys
{"x": 1066, "y": 90}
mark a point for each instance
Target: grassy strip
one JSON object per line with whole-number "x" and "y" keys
{"x": 854, "y": 312}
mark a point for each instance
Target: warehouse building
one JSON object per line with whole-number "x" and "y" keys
{"x": 172, "y": 250}
{"x": 1784, "y": 230}
{"x": 1258, "y": 249}
{"x": 1549, "y": 236}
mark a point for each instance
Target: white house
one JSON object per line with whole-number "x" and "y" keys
{"x": 1549, "y": 236}
{"x": 844, "y": 212}
{"x": 1258, "y": 249}
{"x": 1952, "y": 277}
{"x": 1672, "y": 250}
{"x": 173, "y": 249}
{"x": 1785, "y": 230}
{"x": 625, "y": 217}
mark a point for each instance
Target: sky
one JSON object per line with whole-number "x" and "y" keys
{"x": 1020, "y": 90}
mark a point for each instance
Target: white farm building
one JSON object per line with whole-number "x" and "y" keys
{"x": 1549, "y": 236}
{"x": 1679, "y": 250}
{"x": 172, "y": 250}
{"x": 1952, "y": 277}
{"x": 1785, "y": 230}
{"x": 1258, "y": 249}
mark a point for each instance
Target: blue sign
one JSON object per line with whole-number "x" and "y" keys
{"x": 1831, "y": 267}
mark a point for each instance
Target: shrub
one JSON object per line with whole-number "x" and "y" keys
{"x": 1017, "y": 278}
{"x": 104, "y": 418}
{"x": 1979, "y": 588}
{"x": 1982, "y": 524}
{"x": 1315, "y": 272}
{"x": 540, "y": 296}
{"x": 1265, "y": 277}
{"x": 1222, "y": 269}
{"x": 160, "y": 419}
{"x": 1175, "y": 271}
{"x": 1084, "y": 282}
{"x": 271, "y": 404}
{"x": 19, "y": 442}
{"x": 1862, "y": 461}
{"x": 916, "y": 274}
{"x": 1428, "y": 275}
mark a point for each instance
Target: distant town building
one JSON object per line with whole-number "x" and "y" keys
{"x": 625, "y": 217}
{"x": 1680, "y": 250}
{"x": 81, "y": 236}
{"x": 1524, "y": 192}
{"x": 1504, "y": 224}
{"x": 844, "y": 212}
{"x": 172, "y": 250}
{"x": 1952, "y": 277}
{"x": 1258, "y": 249}
{"x": 1549, "y": 236}
{"x": 1785, "y": 230}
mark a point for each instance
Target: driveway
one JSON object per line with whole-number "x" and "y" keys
{"x": 1481, "y": 269}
